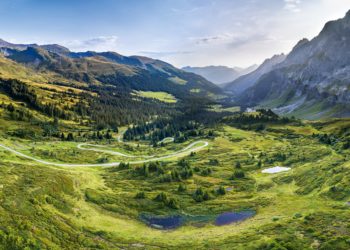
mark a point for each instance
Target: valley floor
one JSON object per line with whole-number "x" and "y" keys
{"x": 43, "y": 206}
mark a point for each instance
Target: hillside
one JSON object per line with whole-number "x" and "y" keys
{"x": 220, "y": 74}
{"x": 248, "y": 80}
{"x": 313, "y": 81}
{"x": 97, "y": 86}
{"x": 109, "y": 68}
{"x": 101, "y": 151}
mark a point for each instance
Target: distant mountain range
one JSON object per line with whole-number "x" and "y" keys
{"x": 105, "y": 69}
{"x": 247, "y": 80}
{"x": 312, "y": 81}
{"x": 220, "y": 74}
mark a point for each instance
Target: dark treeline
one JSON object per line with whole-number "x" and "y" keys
{"x": 110, "y": 108}
{"x": 257, "y": 120}
{"x": 162, "y": 128}
{"x": 20, "y": 91}
{"x": 113, "y": 108}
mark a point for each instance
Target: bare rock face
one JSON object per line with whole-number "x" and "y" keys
{"x": 315, "y": 73}
{"x": 246, "y": 81}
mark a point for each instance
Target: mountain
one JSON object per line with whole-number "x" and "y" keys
{"x": 4, "y": 45}
{"x": 219, "y": 74}
{"x": 244, "y": 71}
{"x": 109, "y": 69}
{"x": 100, "y": 89}
{"x": 246, "y": 81}
{"x": 313, "y": 81}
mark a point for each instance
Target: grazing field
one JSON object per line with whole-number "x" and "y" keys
{"x": 161, "y": 96}
{"x": 77, "y": 207}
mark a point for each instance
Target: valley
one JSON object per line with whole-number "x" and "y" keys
{"x": 97, "y": 148}
{"x": 100, "y": 150}
{"x": 83, "y": 204}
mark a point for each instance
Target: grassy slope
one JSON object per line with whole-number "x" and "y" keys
{"x": 95, "y": 208}
{"x": 161, "y": 96}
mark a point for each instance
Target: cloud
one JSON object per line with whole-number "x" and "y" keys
{"x": 232, "y": 40}
{"x": 249, "y": 39}
{"x": 159, "y": 54}
{"x": 101, "y": 43}
{"x": 221, "y": 38}
{"x": 292, "y": 5}
{"x": 207, "y": 40}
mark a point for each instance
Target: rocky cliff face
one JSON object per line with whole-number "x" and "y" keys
{"x": 314, "y": 79}
{"x": 246, "y": 81}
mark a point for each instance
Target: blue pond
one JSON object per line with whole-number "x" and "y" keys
{"x": 175, "y": 221}
{"x": 231, "y": 217}
{"x": 170, "y": 222}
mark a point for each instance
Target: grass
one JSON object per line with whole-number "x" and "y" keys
{"x": 219, "y": 109}
{"x": 160, "y": 96}
{"x": 95, "y": 208}
{"x": 177, "y": 80}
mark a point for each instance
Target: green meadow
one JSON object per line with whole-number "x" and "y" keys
{"x": 47, "y": 207}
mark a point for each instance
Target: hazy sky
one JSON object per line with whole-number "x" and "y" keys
{"x": 182, "y": 32}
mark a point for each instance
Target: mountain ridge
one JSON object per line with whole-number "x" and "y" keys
{"x": 314, "y": 79}
{"x": 220, "y": 74}
{"x": 111, "y": 68}
{"x": 246, "y": 81}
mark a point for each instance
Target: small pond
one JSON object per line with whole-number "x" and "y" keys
{"x": 232, "y": 217}
{"x": 168, "y": 222}
{"x": 175, "y": 221}
{"x": 274, "y": 170}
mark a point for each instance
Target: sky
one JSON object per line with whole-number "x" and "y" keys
{"x": 181, "y": 32}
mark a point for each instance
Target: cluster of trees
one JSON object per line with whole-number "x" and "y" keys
{"x": 331, "y": 139}
{"x": 256, "y": 121}
{"x": 201, "y": 195}
{"x": 183, "y": 171}
{"x": 20, "y": 91}
{"x": 15, "y": 241}
{"x": 17, "y": 114}
{"x": 109, "y": 108}
{"x": 113, "y": 108}
{"x": 169, "y": 202}
{"x": 150, "y": 168}
{"x": 162, "y": 128}
{"x": 326, "y": 138}
{"x": 237, "y": 174}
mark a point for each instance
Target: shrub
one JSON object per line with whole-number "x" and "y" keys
{"x": 172, "y": 203}
{"x": 206, "y": 172}
{"x": 214, "y": 162}
{"x": 161, "y": 197}
{"x": 102, "y": 160}
{"x": 199, "y": 195}
{"x": 221, "y": 190}
{"x": 238, "y": 165}
{"x": 238, "y": 174}
{"x": 182, "y": 188}
{"x": 140, "y": 195}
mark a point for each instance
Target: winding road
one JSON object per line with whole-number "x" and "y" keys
{"x": 193, "y": 147}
